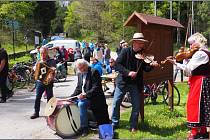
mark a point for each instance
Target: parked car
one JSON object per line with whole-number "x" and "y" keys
{"x": 70, "y": 46}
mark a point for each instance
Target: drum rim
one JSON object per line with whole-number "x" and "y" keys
{"x": 55, "y": 104}
{"x": 56, "y": 127}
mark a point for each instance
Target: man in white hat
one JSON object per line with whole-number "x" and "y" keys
{"x": 130, "y": 79}
{"x": 119, "y": 48}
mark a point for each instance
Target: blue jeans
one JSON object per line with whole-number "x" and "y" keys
{"x": 40, "y": 88}
{"x": 83, "y": 108}
{"x": 118, "y": 96}
{"x": 106, "y": 61}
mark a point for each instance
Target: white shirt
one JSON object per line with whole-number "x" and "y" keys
{"x": 199, "y": 58}
{"x": 84, "y": 75}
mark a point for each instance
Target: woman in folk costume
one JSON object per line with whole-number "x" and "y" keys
{"x": 198, "y": 103}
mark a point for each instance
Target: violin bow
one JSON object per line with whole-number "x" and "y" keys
{"x": 146, "y": 50}
{"x": 188, "y": 26}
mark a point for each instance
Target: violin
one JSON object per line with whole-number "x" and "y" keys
{"x": 183, "y": 54}
{"x": 147, "y": 58}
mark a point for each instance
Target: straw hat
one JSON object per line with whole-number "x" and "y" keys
{"x": 139, "y": 37}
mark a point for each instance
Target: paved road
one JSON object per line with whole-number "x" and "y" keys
{"x": 15, "y": 122}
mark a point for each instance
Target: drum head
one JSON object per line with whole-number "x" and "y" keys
{"x": 68, "y": 121}
{"x": 50, "y": 107}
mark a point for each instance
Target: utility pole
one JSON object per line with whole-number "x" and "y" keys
{"x": 171, "y": 10}
{"x": 13, "y": 38}
{"x": 123, "y": 20}
{"x": 178, "y": 19}
{"x": 155, "y": 8}
{"x": 191, "y": 27}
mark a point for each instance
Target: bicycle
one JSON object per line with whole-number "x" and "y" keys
{"x": 152, "y": 92}
{"x": 126, "y": 101}
{"x": 61, "y": 73}
{"x": 18, "y": 76}
{"x": 148, "y": 94}
{"x": 165, "y": 94}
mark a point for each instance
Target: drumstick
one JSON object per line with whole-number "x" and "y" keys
{"x": 69, "y": 98}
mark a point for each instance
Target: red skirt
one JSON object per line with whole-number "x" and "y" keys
{"x": 194, "y": 97}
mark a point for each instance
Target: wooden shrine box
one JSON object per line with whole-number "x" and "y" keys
{"x": 159, "y": 31}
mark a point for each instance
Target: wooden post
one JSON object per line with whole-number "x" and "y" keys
{"x": 182, "y": 76}
{"x": 171, "y": 95}
{"x": 142, "y": 105}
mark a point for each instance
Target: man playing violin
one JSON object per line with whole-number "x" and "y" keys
{"x": 130, "y": 79}
{"x": 198, "y": 70}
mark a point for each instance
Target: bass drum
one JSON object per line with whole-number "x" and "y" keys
{"x": 63, "y": 117}
{"x": 67, "y": 121}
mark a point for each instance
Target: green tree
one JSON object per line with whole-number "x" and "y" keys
{"x": 58, "y": 22}
{"x": 72, "y": 23}
{"x": 202, "y": 21}
{"x": 44, "y": 13}
{"x": 17, "y": 11}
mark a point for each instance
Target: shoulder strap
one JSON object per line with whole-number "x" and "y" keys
{"x": 71, "y": 119}
{"x": 207, "y": 52}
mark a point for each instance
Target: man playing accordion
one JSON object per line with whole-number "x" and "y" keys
{"x": 44, "y": 76}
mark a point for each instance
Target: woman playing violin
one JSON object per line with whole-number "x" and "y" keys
{"x": 198, "y": 70}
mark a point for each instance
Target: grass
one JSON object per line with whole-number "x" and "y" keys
{"x": 25, "y": 58}
{"x": 159, "y": 122}
{"x": 20, "y": 48}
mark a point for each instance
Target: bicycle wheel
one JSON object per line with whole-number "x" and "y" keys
{"x": 126, "y": 102}
{"x": 165, "y": 94}
{"x": 10, "y": 84}
{"x": 147, "y": 94}
{"x": 61, "y": 77}
{"x": 20, "y": 82}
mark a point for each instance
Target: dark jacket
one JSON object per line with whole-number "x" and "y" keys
{"x": 127, "y": 62}
{"x": 4, "y": 56}
{"x": 93, "y": 89}
{"x": 87, "y": 53}
{"x": 118, "y": 50}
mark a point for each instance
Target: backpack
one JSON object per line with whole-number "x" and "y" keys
{"x": 106, "y": 131}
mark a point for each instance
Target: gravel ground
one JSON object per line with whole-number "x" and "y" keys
{"x": 15, "y": 113}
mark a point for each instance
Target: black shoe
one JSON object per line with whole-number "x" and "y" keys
{"x": 83, "y": 131}
{"x": 34, "y": 116}
{"x": 2, "y": 101}
{"x": 115, "y": 126}
{"x": 204, "y": 136}
{"x": 10, "y": 94}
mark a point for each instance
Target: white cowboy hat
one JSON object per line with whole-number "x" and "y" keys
{"x": 34, "y": 51}
{"x": 139, "y": 37}
{"x": 122, "y": 41}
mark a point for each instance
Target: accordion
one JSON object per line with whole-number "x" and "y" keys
{"x": 44, "y": 73}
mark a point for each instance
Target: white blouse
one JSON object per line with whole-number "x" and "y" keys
{"x": 199, "y": 58}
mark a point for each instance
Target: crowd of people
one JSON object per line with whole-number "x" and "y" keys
{"x": 94, "y": 60}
